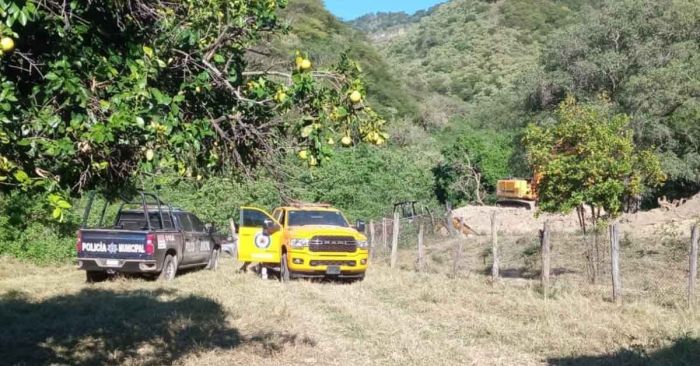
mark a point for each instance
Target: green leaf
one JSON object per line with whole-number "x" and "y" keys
{"x": 57, "y": 213}
{"x": 64, "y": 204}
{"x": 21, "y": 176}
{"x": 148, "y": 51}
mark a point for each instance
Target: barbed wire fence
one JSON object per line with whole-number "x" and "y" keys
{"x": 660, "y": 269}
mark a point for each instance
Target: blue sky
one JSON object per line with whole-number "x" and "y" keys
{"x": 351, "y": 9}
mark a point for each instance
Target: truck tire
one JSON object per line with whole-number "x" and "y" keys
{"x": 284, "y": 269}
{"x": 213, "y": 264}
{"x": 95, "y": 276}
{"x": 169, "y": 268}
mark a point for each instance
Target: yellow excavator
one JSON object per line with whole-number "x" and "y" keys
{"x": 518, "y": 192}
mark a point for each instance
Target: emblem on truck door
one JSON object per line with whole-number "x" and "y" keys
{"x": 262, "y": 241}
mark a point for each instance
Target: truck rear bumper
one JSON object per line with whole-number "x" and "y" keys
{"x": 117, "y": 265}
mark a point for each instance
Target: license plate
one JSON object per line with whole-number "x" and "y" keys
{"x": 112, "y": 263}
{"x": 333, "y": 270}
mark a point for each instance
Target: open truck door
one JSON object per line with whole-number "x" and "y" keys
{"x": 259, "y": 237}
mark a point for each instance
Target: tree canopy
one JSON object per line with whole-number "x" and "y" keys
{"x": 96, "y": 92}
{"x": 588, "y": 157}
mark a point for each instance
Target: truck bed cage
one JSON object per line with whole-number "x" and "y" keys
{"x": 146, "y": 205}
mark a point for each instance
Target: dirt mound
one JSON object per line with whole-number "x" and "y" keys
{"x": 676, "y": 219}
{"x": 521, "y": 221}
{"x": 513, "y": 220}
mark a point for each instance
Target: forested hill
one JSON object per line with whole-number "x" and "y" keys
{"x": 485, "y": 68}
{"x": 469, "y": 49}
{"x": 380, "y": 22}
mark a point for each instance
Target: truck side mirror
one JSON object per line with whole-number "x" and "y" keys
{"x": 270, "y": 227}
{"x": 360, "y": 226}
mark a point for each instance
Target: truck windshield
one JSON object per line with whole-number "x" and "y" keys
{"x": 301, "y": 218}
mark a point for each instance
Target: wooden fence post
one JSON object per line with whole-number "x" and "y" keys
{"x": 232, "y": 225}
{"x": 385, "y": 243}
{"x": 372, "y": 243}
{"x": 693, "y": 264}
{"x": 545, "y": 253}
{"x": 421, "y": 250}
{"x": 458, "y": 252}
{"x": 615, "y": 261}
{"x": 395, "y": 240}
{"x": 450, "y": 227}
{"x": 494, "y": 247}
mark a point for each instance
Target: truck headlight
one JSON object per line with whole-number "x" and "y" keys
{"x": 362, "y": 244}
{"x": 299, "y": 243}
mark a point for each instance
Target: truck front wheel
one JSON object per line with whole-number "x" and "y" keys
{"x": 169, "y": 268}
{"x": 95, "y": 276}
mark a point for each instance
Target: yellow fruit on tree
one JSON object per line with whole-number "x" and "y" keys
{"x": 346, "y": 140}
{"x": 331, "y": 141}
{"x": 198, "y": 89}
{"x": 149, "y": 154}
{"x": 280, "y": 96}
{"x": 355, "y": 96}
{"x": 7, "y": 44}
{"x": 305, "y": 64}
{"x": 303, "y": 154}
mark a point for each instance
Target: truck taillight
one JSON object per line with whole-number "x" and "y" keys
{"x": 79, "y": 242}
{"x": 151, "y": 241}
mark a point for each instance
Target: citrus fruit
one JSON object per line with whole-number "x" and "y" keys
{"x": 355, "y": 96}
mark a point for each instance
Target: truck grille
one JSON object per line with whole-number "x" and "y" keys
{"x": 332, "y": 263}
{"x": 344, "y": 244}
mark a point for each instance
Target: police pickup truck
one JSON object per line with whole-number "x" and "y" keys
{"x": 146, "y": 236}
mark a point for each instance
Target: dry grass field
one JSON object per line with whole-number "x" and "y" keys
{"x": 50, "y": 316}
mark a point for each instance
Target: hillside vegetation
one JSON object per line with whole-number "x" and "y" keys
{"x": 483, "y": 66}
{"x": 453, "y": 87}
